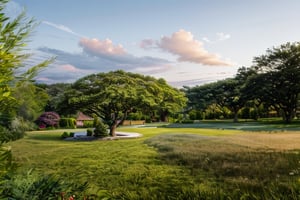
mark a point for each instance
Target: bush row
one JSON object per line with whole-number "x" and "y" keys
{"x": 67, "y": 123}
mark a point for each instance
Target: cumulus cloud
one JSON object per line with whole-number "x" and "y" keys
{"x": 101, "y": 47}
{"x": 62, "y": 28}
{"x": 188, "y": 49}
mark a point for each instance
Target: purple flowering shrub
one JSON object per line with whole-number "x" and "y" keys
{"x": 48, "y": 119}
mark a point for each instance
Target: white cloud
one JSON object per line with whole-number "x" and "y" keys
{"x": 222, "y": 36}
{"x": 205, "y": 39}
{"x": 101, "y": 47}
{"x": 188, "y": 49}
{"x": 62, "y": 28}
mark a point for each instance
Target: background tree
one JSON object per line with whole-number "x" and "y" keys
{"x": 277, "y": 81}
{"x": 200, "y": 97}
{"x": 167, "y": 99}
{"x": 220, "y": 94}
{"x": 112, "y": 96}
{"x": 31, "y": 101}
{"x": 57, "y": 98}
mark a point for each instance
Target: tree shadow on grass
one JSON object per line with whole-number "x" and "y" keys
{"x": 44, "y": 137}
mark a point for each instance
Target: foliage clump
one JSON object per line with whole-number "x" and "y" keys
{"x": 33, "y": 186}
{"x": 100, "y": 128}
{"x": 67, "y": 123}
{"x": 65, "y": 135}
{"x": 48, "y": 119}
{"x": 89, "y": 132}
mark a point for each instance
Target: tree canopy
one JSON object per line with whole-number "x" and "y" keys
{"x": 224, "y": 93}
{"x": 273, "y": 81}
{"x": 278, "y": 78}
{"x": 111, "y": 96}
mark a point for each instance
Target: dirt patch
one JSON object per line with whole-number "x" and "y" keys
{"x": 266, "y": 140}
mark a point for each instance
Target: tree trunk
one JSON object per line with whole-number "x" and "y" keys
{"x": 235, "y": 119}
{"x": 112, "y": 129}
{"x": 164, "y": 116}
{"x": 235, "y": 111}
{"x": 288, "y": 116}
{"x": 116, "y": 123}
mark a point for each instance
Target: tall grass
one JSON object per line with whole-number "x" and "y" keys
{"x": 235, "y": 170}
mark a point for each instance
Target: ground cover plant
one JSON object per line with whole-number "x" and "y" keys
{"x": 169, "y": 163}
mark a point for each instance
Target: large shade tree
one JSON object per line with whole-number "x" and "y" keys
{"x": 57, "y": 98}
{"x": 113, "y": 95}
{"x": 277, "y": 78}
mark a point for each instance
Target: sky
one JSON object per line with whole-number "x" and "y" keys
{"x": 186, "y": 42}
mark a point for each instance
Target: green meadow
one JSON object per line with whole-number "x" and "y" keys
{"x": 182, "y": 162}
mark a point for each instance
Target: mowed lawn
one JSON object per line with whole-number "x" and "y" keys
{"x": 171, "y": 163}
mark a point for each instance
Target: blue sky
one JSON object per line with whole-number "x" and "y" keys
{"x": 186, "y": 42}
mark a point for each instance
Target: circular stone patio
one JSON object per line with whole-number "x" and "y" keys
{"x": 119, "y": 135}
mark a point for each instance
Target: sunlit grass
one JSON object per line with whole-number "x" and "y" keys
{"x": 165, "y": 163}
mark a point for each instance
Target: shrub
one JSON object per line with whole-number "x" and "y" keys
{"x": 19, "y": 123}
{"x": 67, "y": 122}
{"x": 88, "y": 124}
{"x": 100, "y": 128}
{"x": 148, "y": 120}
{"x": 65, "y": 135}
{"x": 89, "y": 132}
{"x": 15, "y": 130}
{"x": 48, "y": 119}
{"x": 5, "y": 135}
{"x": 34, "y": 186}
{"x": 195, "y": 115}
{"x": 72, "y": 134}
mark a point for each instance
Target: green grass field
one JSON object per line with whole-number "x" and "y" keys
{"x": 171, "y": 163}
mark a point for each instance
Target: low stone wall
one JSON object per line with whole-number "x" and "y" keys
{"x": 133, "y": 122}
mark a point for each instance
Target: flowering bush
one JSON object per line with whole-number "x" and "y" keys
{"x": 48, "y": 119}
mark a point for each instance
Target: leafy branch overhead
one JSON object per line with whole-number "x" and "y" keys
{"x": 14, "y": 34}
